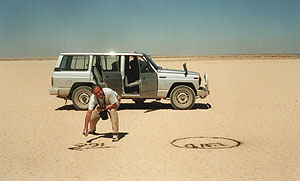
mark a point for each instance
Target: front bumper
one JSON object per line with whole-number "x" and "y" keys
{"x": 203, "y": 92}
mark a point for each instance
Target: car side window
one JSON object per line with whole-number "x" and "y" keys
{"x": 145, "y": 66}
{"x": 75, "y": 63}
{"x": 110, "y": 63}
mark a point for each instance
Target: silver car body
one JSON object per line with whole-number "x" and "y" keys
{"x": 154, "y": 82}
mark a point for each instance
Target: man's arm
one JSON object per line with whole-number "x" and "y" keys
{"x": 111, "y": 106}
{"x": 87, "y": 120}
{"x": 108, "y": 107}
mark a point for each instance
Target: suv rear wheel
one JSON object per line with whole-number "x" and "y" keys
{"x": 81, "y": 97}
{"x": 182, "y": 97}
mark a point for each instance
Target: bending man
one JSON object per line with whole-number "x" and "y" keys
{"x": 107, "y": 99}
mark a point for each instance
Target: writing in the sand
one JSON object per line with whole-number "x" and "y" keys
{"x": 205, "y": 142}
{"x": 86, "y": 146}
{"x": 207, "y": 145}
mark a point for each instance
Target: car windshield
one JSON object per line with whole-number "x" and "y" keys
{"x": 152, "y": 62}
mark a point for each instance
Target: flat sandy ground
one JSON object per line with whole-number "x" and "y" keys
{"x": 255, "y": 102}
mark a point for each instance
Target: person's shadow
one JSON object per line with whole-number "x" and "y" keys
{"x": 106, "y": 135}
{"x": 148, "y": 106}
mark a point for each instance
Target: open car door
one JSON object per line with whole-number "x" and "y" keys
{"x": 110, "y": 66}
{"x": 148, "y": 79}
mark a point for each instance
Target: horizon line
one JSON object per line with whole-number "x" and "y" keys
{"x": 221, "y": 56}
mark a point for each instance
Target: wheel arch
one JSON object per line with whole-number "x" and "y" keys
{"x": 191, "y": 85}
{"x": 76, "y": 85}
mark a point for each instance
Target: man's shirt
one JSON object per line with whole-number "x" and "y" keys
{"x": 111, "y": 97}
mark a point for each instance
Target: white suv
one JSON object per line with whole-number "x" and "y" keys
{"x": 133, "y": 75}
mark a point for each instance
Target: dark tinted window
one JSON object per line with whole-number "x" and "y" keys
{"x": 77, "y": 63}
{"x": 110, "y": 63}
{"x": 145, "y": 66}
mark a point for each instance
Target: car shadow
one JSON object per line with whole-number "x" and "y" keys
{"x": 66, "y": 108}
{"x": 153, "y": 106}
{"x": 148, "y": 106}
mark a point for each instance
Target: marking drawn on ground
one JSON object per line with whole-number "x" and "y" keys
{"x": 205, "y": 143}
{"x": 86, "y": 146}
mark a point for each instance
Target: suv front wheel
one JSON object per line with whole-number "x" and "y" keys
{"x": 182, "y": 97}
{"x": 81, "y": 97}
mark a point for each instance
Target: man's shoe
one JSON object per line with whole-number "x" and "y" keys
{"x": 115, "y": 138}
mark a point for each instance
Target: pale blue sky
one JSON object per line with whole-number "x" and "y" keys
{"x": 37, "y": 28}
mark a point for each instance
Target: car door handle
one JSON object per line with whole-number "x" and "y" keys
{"x": 162, "y": 76}
{"x": 106, "y": 76}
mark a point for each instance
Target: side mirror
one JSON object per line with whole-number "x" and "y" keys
{"x": 185, "y": 69}
{"x": 206, "y": 81}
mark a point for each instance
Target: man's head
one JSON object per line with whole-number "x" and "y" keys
{"x": 97, "y": 91}
{"x": 133, "y": 58}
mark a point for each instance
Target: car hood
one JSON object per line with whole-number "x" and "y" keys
{"x": 173, "y": 71}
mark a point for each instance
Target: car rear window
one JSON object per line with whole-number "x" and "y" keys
{"x": 74, "y": 63}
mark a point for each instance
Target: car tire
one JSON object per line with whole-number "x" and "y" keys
{"x": 81, "y": 97}
{"x": 182, "y": 97}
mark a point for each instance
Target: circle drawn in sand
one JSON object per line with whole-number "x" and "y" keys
{"x": 205, "y": 143}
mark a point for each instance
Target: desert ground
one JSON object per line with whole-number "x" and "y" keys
{"x": 254, "y": 107}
